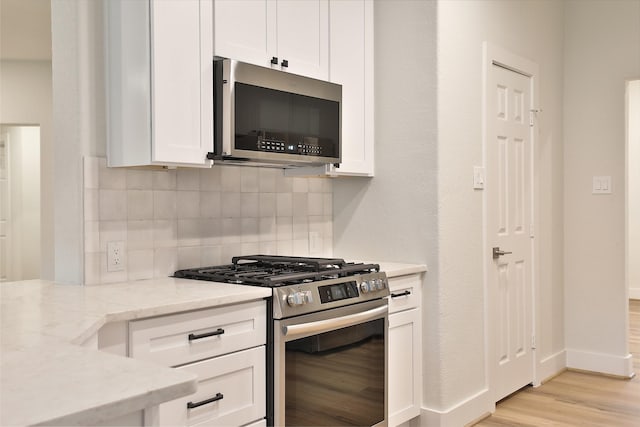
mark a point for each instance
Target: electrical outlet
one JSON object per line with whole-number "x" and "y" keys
{"x": 315, "y": 243}
{"x": 115, "y": 256}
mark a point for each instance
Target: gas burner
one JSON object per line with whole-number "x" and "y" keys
{"x": 275, "y": 271}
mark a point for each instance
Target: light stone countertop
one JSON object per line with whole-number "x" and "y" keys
{"x": 395, "y": 269}
{"x": 47, "y": 377}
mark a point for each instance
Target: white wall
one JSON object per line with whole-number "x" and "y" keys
{"x": 26, "y": 99}
{"x": 602, "y": 40}
{"x": 514, "y": 26}
{"x": 633, "y": 191}
{"x": 24, "y": 177}
{"x": 78, "y": 94}
{"x": 421, "y": 207}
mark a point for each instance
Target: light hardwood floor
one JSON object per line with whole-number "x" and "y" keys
{"x": 577, "y": 398}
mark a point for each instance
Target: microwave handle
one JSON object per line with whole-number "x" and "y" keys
{"x": 320, "y": 326}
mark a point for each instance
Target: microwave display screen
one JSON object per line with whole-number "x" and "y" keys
{"x": 287, "y": 123}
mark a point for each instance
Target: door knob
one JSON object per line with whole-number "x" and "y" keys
{"x": 497, "y": 252}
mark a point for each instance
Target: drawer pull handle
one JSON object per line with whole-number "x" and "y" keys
{"x": 401, "y": 294}
{"x": 191, "y": 405}
{"x": 218, "y": 331}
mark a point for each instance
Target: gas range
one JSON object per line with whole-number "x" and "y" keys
{"x": 301, "y": 285}
{"x": 325, "y": 313}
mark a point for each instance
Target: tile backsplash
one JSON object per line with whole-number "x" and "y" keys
{"x": 170, "y": 219}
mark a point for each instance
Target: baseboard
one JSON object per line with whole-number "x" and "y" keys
{"x": 620, "y": 366}
{"x": 634, "y": 293}
{"x": 550, "y": 366}
{"x": 462, "y": 413}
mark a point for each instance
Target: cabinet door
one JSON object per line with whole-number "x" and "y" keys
{"x": 182, "y": 81}
{"x": 245, "y": 30}
{"x": 303, "y": 36}
{"x": 351, "y": 65}
{"x": 405, "y": 369}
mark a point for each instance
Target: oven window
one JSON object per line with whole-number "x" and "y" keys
{"x": 337, "y": 378}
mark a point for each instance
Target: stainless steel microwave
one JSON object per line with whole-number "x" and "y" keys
{"x": 266, "y": 117}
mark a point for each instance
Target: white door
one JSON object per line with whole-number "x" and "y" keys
{"x": 509, "y": 219}
{"x": 5, "y": 209}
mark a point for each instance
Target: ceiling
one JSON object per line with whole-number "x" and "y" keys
{"x": 25, "y": 29}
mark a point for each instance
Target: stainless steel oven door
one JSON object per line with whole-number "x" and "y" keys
{"x": 330, "y": 367}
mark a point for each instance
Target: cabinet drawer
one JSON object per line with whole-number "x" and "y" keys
{"x": 405, "y": 292}
{"x": 236, "y": 385}
{"x": 186, "y": 337}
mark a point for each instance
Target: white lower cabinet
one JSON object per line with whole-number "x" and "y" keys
{"x": 405, "y": 349}
{"x": 231, "y": 392}
{"x": 225, "y": 348}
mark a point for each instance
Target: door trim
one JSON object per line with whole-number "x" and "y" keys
{"x": 495, "y": 55}
{"x": 6, "y": 263}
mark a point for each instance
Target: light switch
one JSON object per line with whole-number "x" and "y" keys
{"x": 478, "y": 178}
{"x": 601, "y": 185}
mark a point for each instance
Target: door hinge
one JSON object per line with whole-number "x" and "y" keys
{"x": 531, "y": 230}
{"x": 533, "y": 342}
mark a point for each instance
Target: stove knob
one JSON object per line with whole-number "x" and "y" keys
{"x": 364, "y": 287}
{"x": 307, "y": 297}
{"x": 380, "y": 284}
{"x": 297, "y": 298}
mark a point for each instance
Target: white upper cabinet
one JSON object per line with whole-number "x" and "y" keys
{"x": 289, "y": 35}
{"x": 351, "y": 65}
{"x": 159, "y": 82}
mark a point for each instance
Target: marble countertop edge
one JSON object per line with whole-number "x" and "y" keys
{"x": 99, "y": 414}
{"x": 395, "y": 269}
{"x": 87, "y": 388}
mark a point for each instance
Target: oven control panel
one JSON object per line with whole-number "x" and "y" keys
{"x": 308, "y": 297}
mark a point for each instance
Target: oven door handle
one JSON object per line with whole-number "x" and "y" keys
{"x": 336, "y": 323}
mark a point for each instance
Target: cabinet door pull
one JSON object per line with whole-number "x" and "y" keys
{"x": 401, "y": 294}
{"x": 274, "y": 60}
{"x": 218, "y": 331}
{"x": 218, "y": 396}
{"x": 284, "y": 63}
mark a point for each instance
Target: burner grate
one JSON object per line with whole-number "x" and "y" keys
{"x": 274, "y": 271}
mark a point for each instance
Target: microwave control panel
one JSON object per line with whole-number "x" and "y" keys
{"x": 272, "y": 143}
